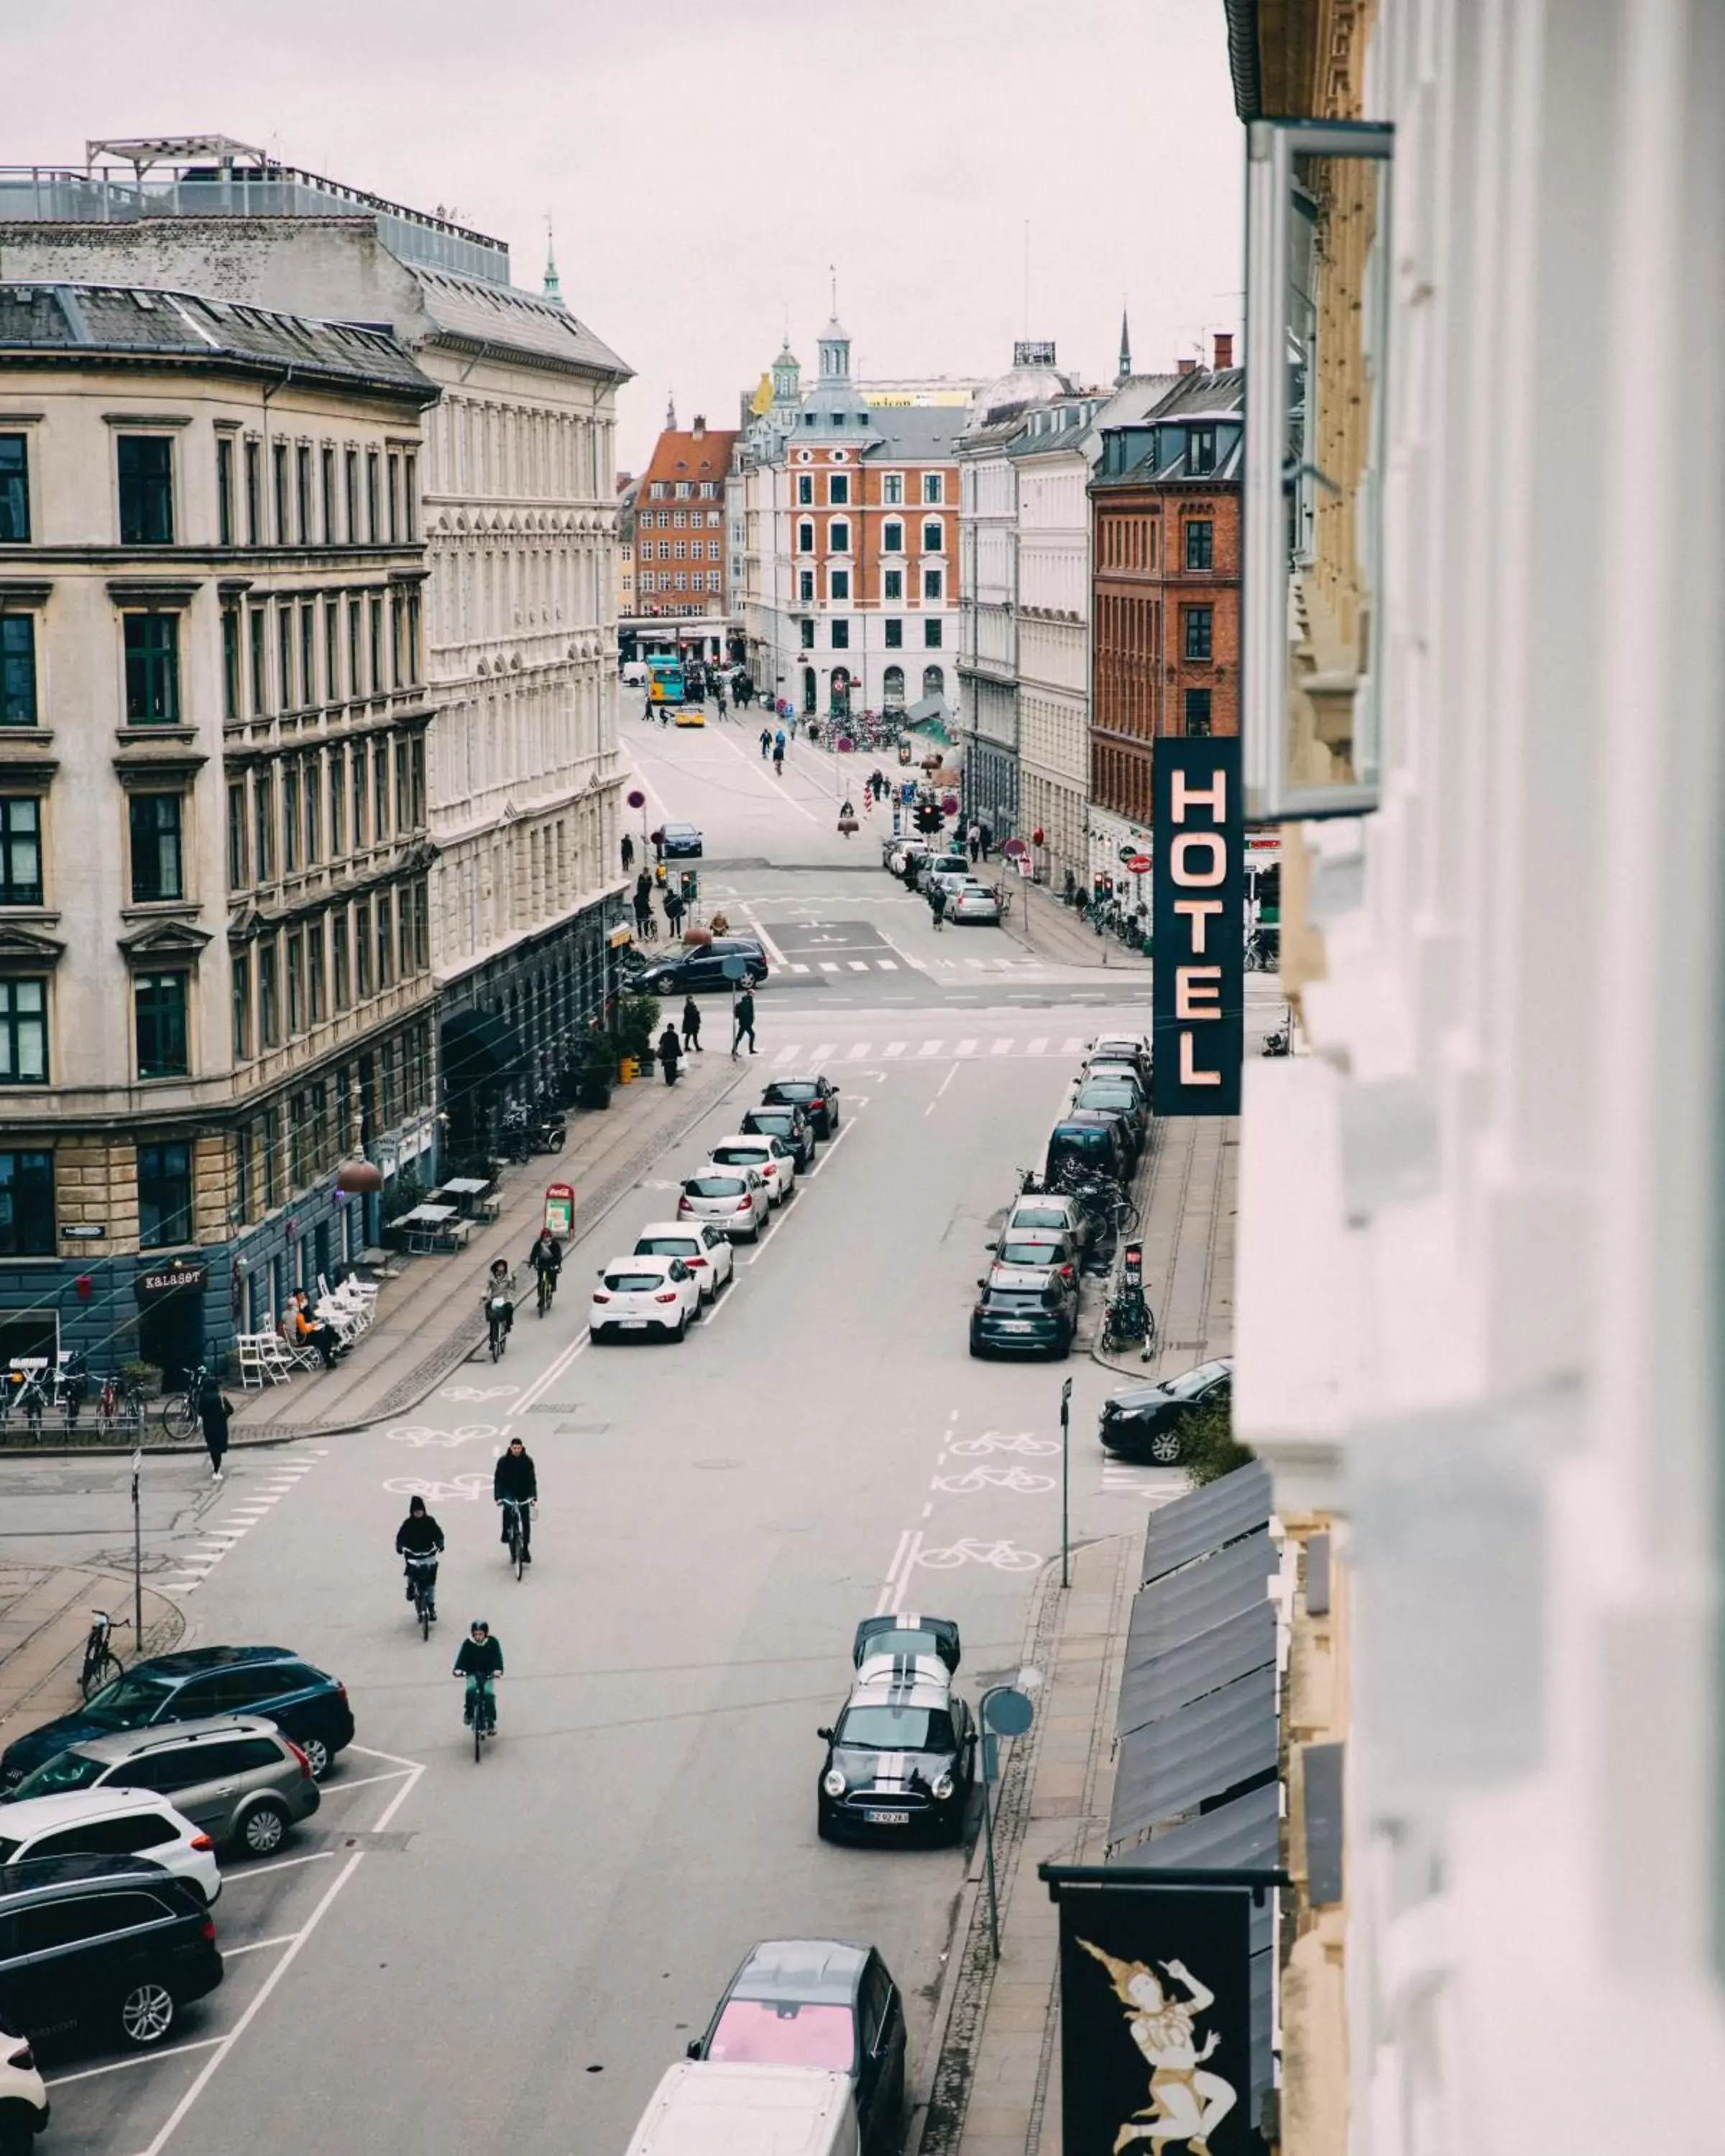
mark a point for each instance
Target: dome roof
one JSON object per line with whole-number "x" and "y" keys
{"x": 1016, "y": 392}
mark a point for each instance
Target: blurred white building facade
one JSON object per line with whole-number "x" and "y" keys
{"x": 1480, "y": 1274}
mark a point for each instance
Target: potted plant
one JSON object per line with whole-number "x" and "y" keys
{"x": 597, "y": 1072}
{"x": 637, "y": 1022}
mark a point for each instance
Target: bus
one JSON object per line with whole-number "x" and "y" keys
{"x": 664, "y": 681}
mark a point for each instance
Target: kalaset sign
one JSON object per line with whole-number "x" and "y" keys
{"x": 1198, "y": 847}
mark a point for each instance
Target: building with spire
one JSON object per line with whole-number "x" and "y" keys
{"x": 553, "y": 290}
{"x": 1123, "y": 372}
{"x": 681, "y": 556}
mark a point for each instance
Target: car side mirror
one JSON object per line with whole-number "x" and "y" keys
{"x": 694, "y": 2050}
{"x": 825, "y": 1735}
{"x": 981, "y": 1282}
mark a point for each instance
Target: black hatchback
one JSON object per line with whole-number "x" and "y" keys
{"x": 1145, "y": 1420}
{"x": 109, "y": 1944}
{"x": 817, "y": 1096}
{"x": 1025, "y": 1310}
{"x": 784, "y": 1120}
{"x": 303, "y": 1702}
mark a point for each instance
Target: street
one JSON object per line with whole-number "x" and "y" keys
{"x": 459, "y": 1958}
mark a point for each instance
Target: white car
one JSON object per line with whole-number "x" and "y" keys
{"x": 771, "y": 1158}
{"x": 644, "y": 1295}
{"x": 111, "y": 1822}
{"x": 704, "y": 1249}
{"x": 24, "y": 2093}
{"x": 733, "y": 1198}
{"x": 1043, "y": 1209}
{"x": 974, "y": 901}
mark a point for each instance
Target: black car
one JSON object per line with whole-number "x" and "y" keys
{"x": 901, "y": 1758}
{"x": 1146, "y": 1418}
{"x": 113, "y": 1944}
{"x": 1092, "y": 1142}
{"x": 681, "y": 842}
{"x": 303, "y": 1702}
{"x": 1025, "y": 1310}
{"x": 702, "y": 967}
{"x": 817, "y": 1096}
{"x": 1122, "y": 1099}
{"x": 787, "y": 1121}
{"x": 822, "y": 2003}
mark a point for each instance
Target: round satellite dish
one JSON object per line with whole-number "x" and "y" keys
{"x": 1008, "y": 1713}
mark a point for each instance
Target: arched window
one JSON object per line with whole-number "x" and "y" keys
{"x": 892, "y": 688}
{"x": 934, "y": 682}
{"x": 934, "y": 535}
{"x": 808, "y": 689}
{"x": 892, "y": 536}
{"x": 805, "y": 538}
{"x": 839, "y": 536}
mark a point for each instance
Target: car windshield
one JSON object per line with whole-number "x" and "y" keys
{"x": 793, "y": 1089}
{"x": 66, "y": 1770}
{"x": 632, "y": 1283}
{"x": 1029, "y": 1254}
{"x": 715, "y": 1186}
{"x": 1193, "y": 1381}
{"x": 785, "y": 2032}
{"x": 1040, "y": 1216}
{"x": 898, "y": 1728}
{"x": 667, "y": 1246}
{"x": 130, "y": 1701}
{"x": 740, "y": 1156}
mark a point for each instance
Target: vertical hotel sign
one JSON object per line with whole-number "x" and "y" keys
{"x": 1198, "y": 895}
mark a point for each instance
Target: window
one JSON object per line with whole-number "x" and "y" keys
{"x": 394, "y": 498}
{"x": 895, "y": 635}
{"x": 1201, "y": 449}
{"x": 933, "y": 488}
{"x": 224, "y": 490}
{"x": 165, "y": 1204}
{"x": 160, "y": 1001}
{"x": 152, "y": 670}
{"x": 892, "y": 584}
{"x": 805, "y": 490}
{"x": 841, "y": 636}
{"x": 290, "y": 817}
{"x": 892, "y": 489}
{"x": 1197, "y": 630}
{"x": 18, "y": 669}
{"x": 278, "y": 470}
{"x": 658, "y": 490}
{"x": 931, "y": 635}
{"x": 295, "y": 997}
{"x": 302, "y": 491}
{"x": 377, "y": 679}
{"x": 237, "y": 878}
{"x": 934, "y": 583}
{"x": 805, "y": 586}
{"x": 361, "y": 835}
{"x": 308, "y": 654}
{"x": 230, "y": 663}
{"x": 263, "y": 819}
{"x": 934, "y": 536}
{"x": 260, "y": 664}
{"x": 372, "y": 495}
{"x": 27, "y": 1205}
{"x": 332, "y": 650}
{"x": 14, "y": 491}
{"x": 680, "y": 520}
{"x": 20, "y": 851}
{"x": 839, "y": 536}
{"x": 383, "y": 823}
{"x": 682, "y": 550}
{"x": 23, "y": 1033}
{"x": 683, "y": 490}
{"x": 934, "y": 682}
{"x": 313, "y": 804}
{"x": 385, "y": 908}
{"x": 1198, "y": 713}
{"x": 1200, "y": 543}
{"x": 892, "y": 687}
{"x": 157, "y": 860}
{"x": 285, "y": 655}
{"x": 839, "y": 490}
{"x": 338, "y": 945}
{"x": 892, "y": 536}
{"x": 332, "y": 528}
{"x": 253, "y": 493}
{"x": 315, "y": 973}
{"x": 805, "y": 536}
{"x": 410, "y": 495}
{"x": 269, "y": 995}
{"x": 351, "y": 476}
{"x": 807, "y": 633}
{"x": 356, "y": 683}
{"x": 840, "y": 583}
{"x": 714, "y": 580}
{"x": 338, "y": 803}
{"x": 242, "y": 969}
{"x": 147, "y": 489}
{"x": 363, "y": 946}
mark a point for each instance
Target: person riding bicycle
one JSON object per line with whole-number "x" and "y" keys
{"x": 419, "y": 1536}
{"x": 546, "y": 1259}
{"x": 516, "y": 1477}
{"x": 500, "y": 1287}
{"x": 480, "y": 1660}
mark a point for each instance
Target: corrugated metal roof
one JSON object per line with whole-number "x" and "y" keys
{"x": 1207, "y": 1518}
{"x": 1163, "y": 1684}
{"x": 480, "y": 312}
{"x": 1190, "y": 1758}
{"x": 1246, "y": 1834}
{"x": 1181, "y": 1604}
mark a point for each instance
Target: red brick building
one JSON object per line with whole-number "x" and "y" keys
{"x": 1165, "y": 600}
{"x": 680, "y": 551}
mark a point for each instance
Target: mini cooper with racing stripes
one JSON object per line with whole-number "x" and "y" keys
{"x": 901, "y": 1758}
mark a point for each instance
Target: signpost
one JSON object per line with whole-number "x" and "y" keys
{"x": 1065, "y": 1481}
{"x": 1197, "y": 927}
{"x": 137, "y": 1552}
{"x": 1003, "y": 1711}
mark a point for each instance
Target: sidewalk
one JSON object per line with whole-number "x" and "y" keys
{"x": 44, "y": 1615}
{"x": 1037, "y": 920}
{"x": 994, "y": 2088}
{"x": 1187, "y": 1191}
{"x": 429, "y": 1319}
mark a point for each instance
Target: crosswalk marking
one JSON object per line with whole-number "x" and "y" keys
{"x": 1036, "y": 1047}
{"x": 796, "y": 968}
{"x": 787, "y": 1054}
{"x": 965, "y": 1048}
{"x": 1001, "y": 1048}
{"x": 859, "y": 965}
{"x": 822, "y": 1049}
{"x": 1072, "y": 1047}
{"x": 830, "y": 965}
{"x": 931, "y": 1048}
{"x": 859, "y": 1049}
{"x": 887, "y": 965}
{"x": 895, "y": 1047}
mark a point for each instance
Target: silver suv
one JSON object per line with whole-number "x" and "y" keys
{"x": 237, "y": 1776}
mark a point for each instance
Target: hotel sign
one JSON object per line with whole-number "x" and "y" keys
{"x": 1198, "y": 847}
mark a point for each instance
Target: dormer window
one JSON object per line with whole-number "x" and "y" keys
{"x": 1201, "y": 449}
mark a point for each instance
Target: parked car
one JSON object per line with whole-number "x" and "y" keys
{"x": 644, "y": 1295}
{"x": 191, "y": 1686}
{"x": 901, "y": 1757}
{"x": 1024, "y": 1310}
{"x": 1122, "y": 1099}
{"x": 819, "y": 2002}
{"x": 785, "y": 1120}
{"x": 682, "y": 842}
{"x": 236, "y": 1777}
{"x": 1042, "y": 1210}
{"x": 23, "y": 2095}
{"x": 1145, "y": 1420}
{"x": 704, "y": 1248}
{"x": 110, "y": 1821}
{"x": 1037, "y": 1246}
{"x": 707, "y": 2108}
{"x": 112, "y": 1944}
{"x": 734, "y": 1199}
{"x": 1122, "y": 1047}
{"x": 818, "y": 1097}
{"x": 701, "y": 967}
{"x": 771, "y": 1159}
{"x": 1092, "y": 1143}
{"x": 978, "y": 902}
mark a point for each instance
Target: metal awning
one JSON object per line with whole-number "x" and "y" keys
{"x": 1163, "y": 1684}
{"x": 1206, "y": 1519}
{"x": 1198, "y": 1597}
{"x": 1207, "y": 1751}
{"x": 1246, "y": 1833}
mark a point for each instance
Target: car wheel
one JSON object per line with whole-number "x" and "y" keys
{"x": 1065, "y": 1348}
{"x": 1165, "y": 1448}
{"x": 318, "y": 1756}
{"x": 261, "y": 1830}
{"x": 17, "y": 2128}
{"x": 147, "y": 2013}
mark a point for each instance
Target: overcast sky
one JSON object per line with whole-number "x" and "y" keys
{"x": 705, "y": 162}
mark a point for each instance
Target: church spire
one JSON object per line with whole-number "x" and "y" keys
{"x": 670, "y": 414}
{"x": 1126, "y": 351}
{"x": 553, "y": 288}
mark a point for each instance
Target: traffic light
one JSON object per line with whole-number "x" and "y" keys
{"x": 690, "y": 883}
{"x": 929, "y": 819}
{"x": 1105, "y": 887}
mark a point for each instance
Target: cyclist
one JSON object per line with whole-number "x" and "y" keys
{"x": 546, "y": 1259}
{"x": 516, "y": 1477}
{"x": 480, "y": 1660}
{"x": 500, "y": 1287}
{"x": 419, "y": 1536}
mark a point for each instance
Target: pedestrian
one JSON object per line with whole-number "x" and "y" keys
{"x": 670, "y": 1050}
{"x": 647, "y": 712}
{"x": 743, "y": 1013}
{"x": 937, "y": 903}
{"x": 766, "y": 743}
{"x": 628, "y": 853}
{"x": 719, "y": 697}
{"x": 779, "y": 757}
{"x": 973, "y": 839}
{"x": 847, "y": 819}
{"x": 657, "y": 839}
{"x": 644, "y": 894}
{"x": 214, "y": 1412}
{"x": 675, "y": 908}
{"x": 691, "y": 1026}
{"x": 986, "y": 837}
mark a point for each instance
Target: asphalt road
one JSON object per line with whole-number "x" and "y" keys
{"x": 505, "y": 1956}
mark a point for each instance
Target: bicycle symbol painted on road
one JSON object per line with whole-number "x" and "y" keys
{"x": 999, "y": 1440}
{"x": 478, "y": 1392}
{"x": 420, "y": 1434}
{"x": 993, "y": 1478}
{"x": 1003, "y": 1556}
{"x": 464, "y": 1486}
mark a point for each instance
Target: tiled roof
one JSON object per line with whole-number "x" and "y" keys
{"x": 682, "y": 454}
{"x": 480, "y": 312}
{"x": 918, "y": 434}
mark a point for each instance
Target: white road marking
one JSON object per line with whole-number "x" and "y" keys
{"x": 1038, "y": 1046}
{"x": 768, "y": 944}
{"x": 143, "y": 2059}
{"x": 887, "y": 965}
{"x": 965, "y": 1048}
{"x": 940, "y": 1089}
{"x": 931, "y": 1048}
{"x": 898, "y": 1558}
{"x": 1072, "y": 1047}
{"x": 844, "y": 1130}
{"x": 859, "y": 965}
{"x": 828, "y": 965}
{"x": 787, "y": 1055}
{"x": 535, "y": 1391}
{"x": 822, "y": 1049}
{"x": 895, "y": 1047}
{"x": 859, "y": 1049}
{"x": 1001, "y": 1048}
{"x": 798, "y": 968}
{"x": 897, "y": 1602}
{"x": 257, "y": 1946}
{"x": 281, "y": 1863}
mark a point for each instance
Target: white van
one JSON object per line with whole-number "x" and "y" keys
{"x": 710, "y": 2107}
{"x": 634, "y": 673}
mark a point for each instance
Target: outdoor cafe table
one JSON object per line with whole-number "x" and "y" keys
{"x": 425, "y": 1225}
{"x": 464, "y": 1189}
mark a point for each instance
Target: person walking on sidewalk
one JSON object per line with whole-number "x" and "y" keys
{"x": 643, "y": 904}
{"x": 779, "y": 757}
{"x": 628, "y": 853}
{"x": 937, "y": 904}
{"x": 691, "y": 1026}
{"x": 743, "y": 1012}
{"x": 766, "y": 743}
{"x": 670, "y": 1051}
{"x": 973, "y": 839}
{"x": 214, "y": 1412}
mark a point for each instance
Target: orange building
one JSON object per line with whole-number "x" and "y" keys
{"x": 680, "y": 522}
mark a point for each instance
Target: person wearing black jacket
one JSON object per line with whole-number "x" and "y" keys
{"x": 420, "y": 1536}
{"x": 670, "y": 1050}
{"x": 516, "y": 1477}
{"x": 480, "y": 1659}
{"x": 691, "y": 1026}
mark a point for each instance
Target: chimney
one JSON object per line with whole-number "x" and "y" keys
{"x": 1225, "y": 350}
{"x": 699, "y": 429}
{"x": 1188, "y": 366}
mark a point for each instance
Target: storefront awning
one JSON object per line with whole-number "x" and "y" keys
{"x": 1209, "y": 1750}
{"x": 1164, "y": 1684}
{"x": 477, "y": 1046}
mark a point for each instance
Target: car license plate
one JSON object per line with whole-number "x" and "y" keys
{"x": 887, "y": 1819}
{"x": 633, "y": 1324}
{"x": 1017, "y": 1325}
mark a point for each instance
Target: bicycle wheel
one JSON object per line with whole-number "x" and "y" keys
{"x": 179, "y": 1415}
{"x": 479, "y": 1733}
{"x": 99, "y": 1669}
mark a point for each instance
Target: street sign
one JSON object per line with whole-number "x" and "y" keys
{"x": 1128, "y": 853}
{"x": 1139, "y": 864}
{"x": 88, "y": 1232}
{"x": 1009, "y": 1713}
{"x": 635, "y": 798}
{"x": 734, "y": 969}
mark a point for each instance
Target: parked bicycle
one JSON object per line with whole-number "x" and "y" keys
{"x": 120, "y": 1403}
{"x": 178, "y": 1414}
{"x": 101, "y": 1665}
